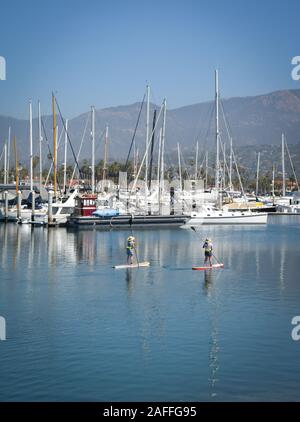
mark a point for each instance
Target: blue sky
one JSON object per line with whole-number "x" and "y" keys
{"x": 102, "y": 53}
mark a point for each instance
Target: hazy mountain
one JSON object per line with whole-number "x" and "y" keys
{"x": 258, "y": 120}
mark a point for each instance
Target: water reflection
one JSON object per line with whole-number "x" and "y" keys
{"x": 154, "y": 313}
{"x": 208, "y": 279}
{"x": 211, "y": 293}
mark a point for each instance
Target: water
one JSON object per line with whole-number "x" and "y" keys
{"x": 79, "y": 330}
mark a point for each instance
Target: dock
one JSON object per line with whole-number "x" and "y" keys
{"x": 129, "y": 221}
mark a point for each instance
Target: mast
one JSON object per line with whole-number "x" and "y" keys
{"x": 179, "y": 166}
{"x": 283, "y": 165}
{"x": 224, "y": 165}
{"x": 54, "y": 146}
{"x": 257, "y": 173}
{"x": 30, "y": 141}
{"x": 230, "y": 165}
{"x": 196, "y": 161}
{"x": 8, "y": 155}
{"x": 105, "y": 153}
{"x": 217, "y": 99}
{"x": 16, "y": 165}
{"x": 40, "y": 144}
{"x": 158, "y": 170}
{"x": 159, "y": 154}
{"x": 152, "y": 148}
{"x": 273, "y": 184}
{"x": 147, "y": 135}
{"x": 93, "y": 148}
{"x": 5, "y": 163}
{"x": 134, "y": 160}
{"x": 65, "y": 155}
{"x": 162, "y": 152}
{"x": 206, "y": 168}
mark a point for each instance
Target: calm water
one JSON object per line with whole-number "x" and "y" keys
{"x": 79, "y": 330}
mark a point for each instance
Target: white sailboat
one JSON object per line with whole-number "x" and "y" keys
{"x": 212, "y": 214}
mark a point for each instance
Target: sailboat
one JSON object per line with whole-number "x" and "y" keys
{"x": 211, "y": 214}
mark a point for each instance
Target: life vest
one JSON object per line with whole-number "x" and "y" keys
{"x": 207, "y": 247}
{"x": 130, "y": 244}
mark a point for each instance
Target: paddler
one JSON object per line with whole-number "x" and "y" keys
{"x": 129, "y": 249}
{"x": 208, "y": 248}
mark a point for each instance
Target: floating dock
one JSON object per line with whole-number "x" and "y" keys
{"x": 128, "y": 221}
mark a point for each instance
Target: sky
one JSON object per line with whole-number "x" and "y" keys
{"x": 103, "y": 53}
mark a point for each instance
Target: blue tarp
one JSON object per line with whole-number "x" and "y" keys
{"x": 106, "y": 212}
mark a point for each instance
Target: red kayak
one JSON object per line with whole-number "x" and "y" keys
{"x": 208, "y": 267}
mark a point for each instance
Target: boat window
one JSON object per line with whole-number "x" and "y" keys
{"x": 66, "y": 210}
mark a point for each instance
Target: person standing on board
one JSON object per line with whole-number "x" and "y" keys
{"x": 208, "y": 248}
{"x": 129, "y": 249}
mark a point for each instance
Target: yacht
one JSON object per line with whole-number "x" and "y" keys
{"x": 213, "y": 215}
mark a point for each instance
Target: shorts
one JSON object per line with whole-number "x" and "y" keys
{"x": 129, "y": 252}
{"x": 209, "y": 254}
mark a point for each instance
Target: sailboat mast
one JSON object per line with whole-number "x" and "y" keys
{"x": 93, "y": 148}
{"x": 134, "y": 160}
{"x": 283, "y": 165}
{"x": 158, "y": 171}
{"x": 179, "y": 166}
{"x": 16, "y": 165}
{"x": 105, "y": 153}
{"x": 162, "y": 167}
{"x": 196, "y": 161}
{"x": 65, "y": 155}
{"x": 257, "y": 173}
{"x": 147, "y": 134}
{"x": 151, "y": 150}
{"x": 230, "y": 165}
{"x": 5, "y": 163}
{"x": 8, "y": 155}
{"x": 206, "y": 168}
{"x": 273, "y": 184}
{"x": 54, "y": 146}
{"x": 217, "y": 99}
{"x": 31, "y": 151}
{"x": 224, "y": 165}
{"x": 159, "y": 154}
{"x": 40, "y": 144}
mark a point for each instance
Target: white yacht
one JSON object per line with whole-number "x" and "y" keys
{"x": 293, "y": 207}
{"x": 213, "y": 215}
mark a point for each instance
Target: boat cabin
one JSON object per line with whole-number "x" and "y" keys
{"x": 85, "y": 204}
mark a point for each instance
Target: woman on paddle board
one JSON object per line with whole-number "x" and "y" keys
{"x": 208, "y": 248}
{"x": 129, "y": 249}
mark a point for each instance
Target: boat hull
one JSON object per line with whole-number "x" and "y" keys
{"x": 258, "y": 218}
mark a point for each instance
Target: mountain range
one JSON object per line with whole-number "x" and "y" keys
{"x": 251, "y": 121}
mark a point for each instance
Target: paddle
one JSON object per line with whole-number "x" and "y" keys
{"x": 136, "y": 256}
{"x": 194, "y": 230}
{"x": 135, "y": 252}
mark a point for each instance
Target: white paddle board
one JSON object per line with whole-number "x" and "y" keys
{"x": 140, "y": 264}
{"x": 210, "y": 267}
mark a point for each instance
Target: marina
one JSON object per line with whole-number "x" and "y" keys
{"x": 149, "y": 208}
{"x": 79, "y": 330}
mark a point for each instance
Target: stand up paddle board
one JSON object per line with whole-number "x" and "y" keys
{"x": 208, "y": 267}
{"x": 140, "y": 264}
